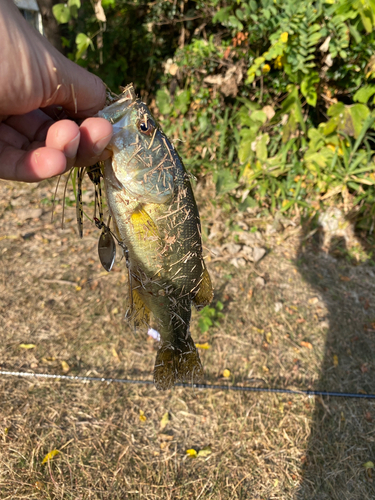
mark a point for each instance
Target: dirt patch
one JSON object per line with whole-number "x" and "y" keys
{"x": 299, "y": 318}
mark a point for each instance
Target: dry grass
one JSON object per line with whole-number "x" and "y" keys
{"x": 54, "y": 294}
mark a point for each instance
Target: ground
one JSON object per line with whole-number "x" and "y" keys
{"x": 301, "y": 318}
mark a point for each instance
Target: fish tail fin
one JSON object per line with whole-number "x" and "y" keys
{"x": 179, "y": 362}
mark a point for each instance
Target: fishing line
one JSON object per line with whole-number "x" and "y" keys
{"x": 239, "y": 388}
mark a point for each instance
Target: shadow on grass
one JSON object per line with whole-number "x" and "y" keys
{"x": 343, "y": 430}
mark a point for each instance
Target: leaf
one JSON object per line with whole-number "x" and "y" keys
{"x": 245, "y": 152}
{"x": 346, "y": 119}
{"x": 366, "y": 20}
{"x": 222, "y": 15}
{"x": 204, "y": 324}
{"x": 226, "y": 373}
{"x": 50, "y": 456}
{"x": 206, "y": 345}
{"x": 83, "y": 42}
{"x": 336, "y": 109}
{"x": 306, "y": 344}
{"x": 292, "y": 106}
{"x": 142, "y": 416}
{"x": 27, "y": 346}
{"x": 308, "y": 88}
{"x": 191, "y": 452}
{"x": 359, "y": 113}
{"x": 61, "y": 12}
{"x": 163, "y": 101}
{"x": 313, "y": 300}
{"x": 74, "y": 5}
{"x": 115, "y": 354}
{"x": 182, "y": 101}
{"x": 261, "y": 147}
{"x": 204, "y": 452}
{"x": 259, "y": 116}
{"x": 39, "y": 485}
{"x": 164, "y": 420}
{"x": 236, "y": 23}
{"x": 65, "y": 367}
{"x": 364, "y": 93}
{"x": 335, "y": 359}
{"x": 225, "y": 181}
{"x": 368, "y": 465}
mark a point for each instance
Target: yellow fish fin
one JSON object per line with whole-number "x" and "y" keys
{"x": 205, "y": 292}
{"x": 138, "y": 313}
{"x": 177, "y": 363}
{"x": 144, "y": 227}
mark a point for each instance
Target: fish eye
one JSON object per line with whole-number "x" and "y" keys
{"x": 146, "y": 127}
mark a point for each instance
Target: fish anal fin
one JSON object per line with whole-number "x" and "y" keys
{"x": 205, "y": 292}
{"x": 177, "y": 363}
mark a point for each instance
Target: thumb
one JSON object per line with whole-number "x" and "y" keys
{"x": 34, "y": 74}
{"x": 80, "y": 93}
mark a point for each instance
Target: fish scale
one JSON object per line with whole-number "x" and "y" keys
{"x": 155, "y": 215}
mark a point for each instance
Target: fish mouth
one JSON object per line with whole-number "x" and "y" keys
{"x": 128, "y": 96}
{"x": 117, "y": 112}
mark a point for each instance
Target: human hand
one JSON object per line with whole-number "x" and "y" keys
{"x": 39, "y": 87}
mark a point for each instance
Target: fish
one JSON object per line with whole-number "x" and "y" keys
{"x": 156, "y": 219}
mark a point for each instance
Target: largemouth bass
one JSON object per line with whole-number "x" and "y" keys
{"x": 155, "y": 215}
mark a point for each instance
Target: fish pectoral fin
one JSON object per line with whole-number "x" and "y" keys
{"x": 205, "y": 292}
{"x": 177, "y": 363}
{"x": 144, "y": 226}
{"x": 138, "y": 313}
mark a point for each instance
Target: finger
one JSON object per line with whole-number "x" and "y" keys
{"x": 95, "y": 136}
{"x": 12, "y": 137}
{"x": 56, "y": 113}
{"x": 82, "y": 93}
{"x": 41, "y": 73}
{"x": 33, "y": 125}
{"x": 79, "y": 92}
{"x": 30, "y": 166}
{"x": 65, "y": 137}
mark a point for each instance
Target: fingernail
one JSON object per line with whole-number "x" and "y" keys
{"x": 99, "y": 146}
{"x": 70, "y": 150}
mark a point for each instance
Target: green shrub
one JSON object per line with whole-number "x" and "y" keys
{"x": 273, "y": 98}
